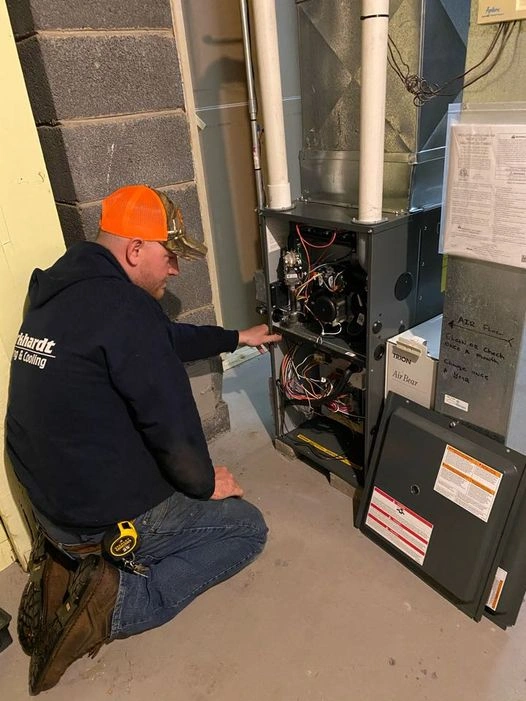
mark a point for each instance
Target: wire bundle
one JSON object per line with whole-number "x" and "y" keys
{"x": 312, "y": 272}
{"x": 299, "y": 385}
{"x": 297, "y": 379}
{"x": 340, "y": 407}
{"x": 303, "y": 292}
{"x": 423, "y": 91}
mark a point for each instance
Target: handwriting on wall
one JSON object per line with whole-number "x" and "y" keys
{"x": 472, "y": 349}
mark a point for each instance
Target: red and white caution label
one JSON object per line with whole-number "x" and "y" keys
{"x": 496, "y": 589}
{"x": 468, "y": 482}
{"x": 402, "y": 527}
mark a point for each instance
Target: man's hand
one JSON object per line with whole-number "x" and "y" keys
{"x": 226, "y": 485}
{"x": 258, "y": 336}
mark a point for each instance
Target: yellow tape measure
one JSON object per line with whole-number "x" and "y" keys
{"x": 121, "y": 540}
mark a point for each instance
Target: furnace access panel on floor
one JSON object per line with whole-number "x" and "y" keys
{"x": 337, "y": 290}
{"x": 449, "y": 503}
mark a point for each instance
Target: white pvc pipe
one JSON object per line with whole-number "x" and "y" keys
{"x": 252, "y": 103}
{"x": 375, "y": 20}
{"x": 266, "y": 34}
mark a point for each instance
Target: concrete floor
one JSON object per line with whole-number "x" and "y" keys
{"x": 322, "y": 615}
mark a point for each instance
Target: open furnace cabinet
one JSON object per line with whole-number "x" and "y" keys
{"x": 337, "y": 290}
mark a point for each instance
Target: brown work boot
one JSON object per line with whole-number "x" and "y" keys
{"x": 81, "y": 625}
{"x": 49, "y": 576}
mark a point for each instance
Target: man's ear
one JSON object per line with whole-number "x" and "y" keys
{"x": 133, "y": 250}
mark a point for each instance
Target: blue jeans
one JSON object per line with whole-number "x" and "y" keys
{"x": 188, "y": 546}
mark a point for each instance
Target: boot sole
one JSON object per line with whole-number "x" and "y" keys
{"x": 42, "y": 676}
{"x": 42, "y": 596}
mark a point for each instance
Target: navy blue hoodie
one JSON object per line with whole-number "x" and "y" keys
{"x": 101, "y": 422}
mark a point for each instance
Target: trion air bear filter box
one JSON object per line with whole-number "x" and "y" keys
{"x": 412, "y": 360}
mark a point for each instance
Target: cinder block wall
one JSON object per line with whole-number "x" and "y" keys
{"x": 105, "y": 87}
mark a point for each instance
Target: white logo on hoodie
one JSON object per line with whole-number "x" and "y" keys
{"x": 34, "y": 351}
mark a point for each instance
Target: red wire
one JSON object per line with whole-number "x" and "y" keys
{"x": 303, "y": 243}
{"x": 313, "y": 245}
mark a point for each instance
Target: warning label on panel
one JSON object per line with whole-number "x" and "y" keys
{"x": 496, "y": 589}
{"x": 467, "y": 482}
{"x": 403, "y": 528}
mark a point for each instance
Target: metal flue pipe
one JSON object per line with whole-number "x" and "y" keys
{"x": 375, "y": 20}
{"x": 266, "y": 36}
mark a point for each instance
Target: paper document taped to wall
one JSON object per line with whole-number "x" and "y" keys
{"x": 485, "y": 195}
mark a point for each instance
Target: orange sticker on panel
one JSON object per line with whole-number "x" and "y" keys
{"x": 466, "y": 481}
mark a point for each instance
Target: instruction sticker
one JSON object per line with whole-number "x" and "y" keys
{"x": 403, "y": 528}
{"x": 496, "y": 589}
{"x": 457, "y": 403}
{"x": 467, "y": 482}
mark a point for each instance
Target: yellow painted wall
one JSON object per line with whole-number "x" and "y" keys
{"x": 30, "y": 237}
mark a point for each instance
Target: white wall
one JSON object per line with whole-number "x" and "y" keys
{"x": 30, "y": 236}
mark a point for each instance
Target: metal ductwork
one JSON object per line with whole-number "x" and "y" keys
{"x": 431, "y": 36}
